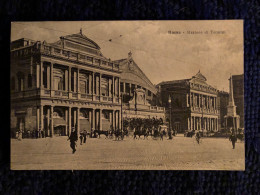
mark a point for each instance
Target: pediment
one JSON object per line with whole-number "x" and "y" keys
{"x": 200, "y": 76}
{"x": 82, "y": 39}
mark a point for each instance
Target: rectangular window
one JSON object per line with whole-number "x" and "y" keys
{"x": 149, "y": 93}
{"x": 44, "y": 76}
{"x": 104, "y": 86}
{"x": 127, "y": 88}
{"x": 83, "y": 87}
{"x": 121, "y": 87}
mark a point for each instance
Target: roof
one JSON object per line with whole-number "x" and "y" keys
{"x": 173, "y": 82}
{"x": 132, "y": 73}
{"x": 81, "y": 38}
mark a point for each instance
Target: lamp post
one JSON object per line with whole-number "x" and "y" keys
{"x": 170, "y": 121}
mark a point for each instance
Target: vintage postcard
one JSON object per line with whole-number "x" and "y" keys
{"x": 127, "y": 95}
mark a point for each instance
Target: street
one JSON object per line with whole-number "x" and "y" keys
{"x": 181, "y": 153}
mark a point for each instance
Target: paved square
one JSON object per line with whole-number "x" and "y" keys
{"x": 181, "y": 153}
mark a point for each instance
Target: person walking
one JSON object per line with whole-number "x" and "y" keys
{"x": 198, "y": 137}
{"x": 73, "y": 139}
{"x": 84, "y": 136}
{"x": 233, "y": 139}
{"x": 81, "y": 138}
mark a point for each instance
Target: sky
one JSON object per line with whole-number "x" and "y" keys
{"x": 213, "y": 47}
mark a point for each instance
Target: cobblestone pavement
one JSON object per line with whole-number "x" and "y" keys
{"x": 181, "y": 153}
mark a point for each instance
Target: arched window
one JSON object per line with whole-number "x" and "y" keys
{"x": 13, "y": 83}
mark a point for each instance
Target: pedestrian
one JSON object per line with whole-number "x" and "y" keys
{"x": 19, "y": 135}
{"x": 84, "y": 136}
{"x": 36, "y": 133}
{"x": 233, "y": 139}
{"x": 81, "y": 138}
{"x": 43, "y": 132}
{"x": 73, "y": 139}
{"x": 198, "y": 137}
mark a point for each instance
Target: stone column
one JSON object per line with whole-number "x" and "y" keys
{"x": 38, "y": 118}
{"x": 48, "y": 122}
{"x": 199, "y": 123}
{"x": 93, "y": 120}
{"x": 118, "y": 84}
{"x": 100, "y": 119}
{"x": 48, "y": 77}
{"x": 51, "y": 76}
{"x": 123, "y": 87}
{"x": 41, "y": 68}
{"x": 191, "y": 99}
{"x": 187, "y": 99}
{"x": 90, "y": 117}
{"x": 69, "y": 121}
{"x": 93, "y": 80}
{"x": 188, "y": 123}
{"x": 78, "y": 121}
{"x": 66, "y": 119}
{"x": 69, "y": 81}
{"x": 38, "y": 75}
{"x": 119, "y": 119}
{"x": 100, "y": 77}
{"x": 199, "y": 100}
{"x": 192, "y": 128}
{"x": 97, "y": 121}
{"x": 130, "y": 89}
{"x": 89, "y": 83}
{"x": 114, "y": 120}
{"x": 52, "y": 130}
{"x": 110, "y": 118}
{"x": 42, "y": 117}
{"x": 113, "y": 88}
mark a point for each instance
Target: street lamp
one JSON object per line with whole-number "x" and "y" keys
{"x": 122, "y": 111}
{"x": 170, "y": 121}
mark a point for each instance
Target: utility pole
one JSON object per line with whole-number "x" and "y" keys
{"x": 170, "y": 121}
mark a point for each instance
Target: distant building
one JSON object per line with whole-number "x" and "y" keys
{"x": 193, "y": 103}
{"x": 238, "y": 91}
{"x": 222, "y": 104}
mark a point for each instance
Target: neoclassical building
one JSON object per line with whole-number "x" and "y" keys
{"x": 69, "y": 83}
{"x": 193, "y": 102}
{"x": 139, "y": 93}
{"x": 65, "y": 84}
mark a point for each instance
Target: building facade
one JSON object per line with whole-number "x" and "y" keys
{"x": 193, "y": 104}
{"x": 238, "y": 92}
{"x": 69, "y": 83}
{"x": 223, "y": 98}
{"x": 57, "y": 86}
{"x": 139, "y": 94}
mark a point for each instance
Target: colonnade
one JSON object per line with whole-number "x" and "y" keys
{"x": 45, "y": 79}
{"x": 72, "y": 118}
{"x": 201, "y": 101}
{"x": 200, "y": 123}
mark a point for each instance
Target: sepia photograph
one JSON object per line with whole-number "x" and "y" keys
{"x": 127, "y": 95}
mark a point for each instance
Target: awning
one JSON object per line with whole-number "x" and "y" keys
{"x": 59, "y": 122}
{"x": 85, "y": 125}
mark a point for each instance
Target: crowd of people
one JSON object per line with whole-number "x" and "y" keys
{"x": 30, "y": 134}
